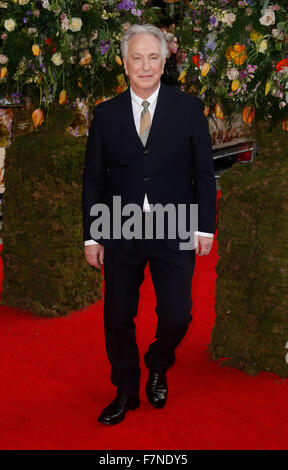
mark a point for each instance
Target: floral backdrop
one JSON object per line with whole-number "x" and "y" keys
{"x": 237, "y": 56}
{"x": 234, "y": 54}
{"x": 58, "y": 50}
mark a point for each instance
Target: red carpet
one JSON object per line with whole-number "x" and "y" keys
{"x": 55, "y": 382}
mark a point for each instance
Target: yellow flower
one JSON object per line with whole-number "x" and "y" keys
{"x": 203, "y": 89}
{"x": 38, "y": 117}
{"x": 63, "y": 97}
{"x": 182, "y": 75}
{"x": 80, "y": 84}
{"x": 3, "y": 72}
{"x": 219, "y": 111}
{"x": 35, "y": 50}
{"x": 267, "y": 88}
{"x": 120, "y": 79}
{"x": 118, "y": 60}
{"x": 235, "y": 85}
{"x": 254, "y": 35}
{"x": 205, "y": 69}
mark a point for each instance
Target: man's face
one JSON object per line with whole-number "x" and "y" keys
{"x": 144, "y": 64}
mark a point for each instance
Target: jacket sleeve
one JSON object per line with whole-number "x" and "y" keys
{"x": 203, "y": 170}
{"x": 93, "y": 174}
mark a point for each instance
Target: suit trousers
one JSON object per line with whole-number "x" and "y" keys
{"x": 171, "y": 273}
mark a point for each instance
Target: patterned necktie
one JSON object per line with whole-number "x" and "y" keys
{"x": 145, "y": 122}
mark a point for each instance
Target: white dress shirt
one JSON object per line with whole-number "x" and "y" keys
{"x": 137, "y": 109}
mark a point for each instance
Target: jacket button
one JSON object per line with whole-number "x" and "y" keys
{"x": 146, "y": 178}
{"x": 146, "y": 151}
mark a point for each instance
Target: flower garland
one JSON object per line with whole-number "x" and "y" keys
{"x": 237, "y": 56}
{"x": 62, "y": 51}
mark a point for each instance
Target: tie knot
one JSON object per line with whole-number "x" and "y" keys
{"x": 145, "y": 105}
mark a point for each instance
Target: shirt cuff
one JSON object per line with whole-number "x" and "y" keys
{"x": 90, "y": 242}
{"x": 204, "y": 234}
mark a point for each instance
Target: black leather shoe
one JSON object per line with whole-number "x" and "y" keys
{"x": 156, "y": 388}
{"x": 116, "y": 411}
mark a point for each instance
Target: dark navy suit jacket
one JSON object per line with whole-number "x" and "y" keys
{"x": 175, "y": 166}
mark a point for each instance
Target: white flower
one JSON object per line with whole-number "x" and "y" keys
{"x": 57, "y": 58}
{"x": 277, "y": 34}
{"x": 23, "y": 2}
{"x": 45, "y": 4}
{"x": 263, "y": 46}
{"x": 75, "y": 24}
{"x": 3, "y": 59}
{"x": 232, "y": 74}
{"x": 64, "y": 23}
{"x": 268, "y": 18}
{"x": 3, "y": 5}
{"x": 229, "y": 19}
{"x": 31, "y": 31}
{"x": 10, "y": 25}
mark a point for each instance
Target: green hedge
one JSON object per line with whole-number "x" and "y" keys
{"x": 251, "y": 328}
{"x": 44, "y": 266}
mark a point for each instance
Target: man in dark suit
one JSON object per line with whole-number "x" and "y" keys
{"x": 150, "y": 145}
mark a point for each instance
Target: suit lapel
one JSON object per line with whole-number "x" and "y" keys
{"x": 161, "y": 110}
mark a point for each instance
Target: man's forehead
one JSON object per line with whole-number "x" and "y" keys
{"x": 143, "y": 42}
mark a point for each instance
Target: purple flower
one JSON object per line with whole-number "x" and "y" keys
{"x": 242, "y": 74}
{"x": 16, "y": 97}
{"x": 136, "y": 12}
{"x": 104, "y": 46}
{"x": 25, "y": 20}
{"x": 251, "y": 68}
{"x": 29, "y": 13}
{"x": 213, "y": 20}
{"x": 126, "y": 5}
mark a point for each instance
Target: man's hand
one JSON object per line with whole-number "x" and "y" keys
{"x": 94, "y": 255}
{"x": 203, "y": 245}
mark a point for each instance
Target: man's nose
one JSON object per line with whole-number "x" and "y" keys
{"x": 146, "y": 65}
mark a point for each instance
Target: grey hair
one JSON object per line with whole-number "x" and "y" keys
{"x": 144, "y": 29}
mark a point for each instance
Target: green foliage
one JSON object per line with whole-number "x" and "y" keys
{"x": 251, "y": 329}
{"x": 44, "y": 266}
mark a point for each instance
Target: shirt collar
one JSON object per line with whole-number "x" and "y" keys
{"x": 152, "y": 98}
